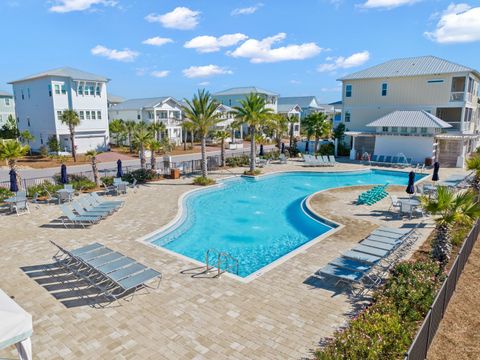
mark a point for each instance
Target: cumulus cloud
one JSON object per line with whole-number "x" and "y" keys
{"x": 246, "y": 10}
{"x": 181, "y": 18}
{"x": 160, "y": 73}
{"x": 125, "y": 55}
{"x": 206, "y": 44}
{"x": 157, "y": 41}
{"x": 459, "y": 23}
{"x": 261, "y": 51}
{"x": 386, "y": 4}
{"x": 342, "y": 62}
{"x": 205, "y": 71}
{"x": 65, "y": 6}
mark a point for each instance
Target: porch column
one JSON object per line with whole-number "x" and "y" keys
{"x": 461, "y": 158}
{"x": 353, "y": 152}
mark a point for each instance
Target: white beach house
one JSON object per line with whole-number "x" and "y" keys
{"x": 421, "y": 85}
{"x": 41, "y": 99}
{"x": 292, "y": 111}
{"x": 307, "y": 104}
{"x": 7, "y": 107}
{"x": 164, "y": 109}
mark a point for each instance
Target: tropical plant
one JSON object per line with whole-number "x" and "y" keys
{"x": 253, "y": 113}
{"x": 141, "y": 137}
{"x": 117, "y": 128}
{"x": 10, "y": 151}
{"x": 222, "y": 135}
{"x": 203, "y": 181}
{"x": 153, "y": 145}
{"x": 53, "y": 144}
{"x": 449, "y": 208}
{"x": 9, "y": 130}
{"x": 129, "y": 129}
{"x": 141, "y": 175}
{"x": 5, "y": 193}
{"x": 278, "y": 124}
{"x": 92, "y": 154}
{"x": 318, "y": 126}
{"x": 27, "y": 137}
{"x": 292, "y": 120}
{"x": 473, "y": 163}
{"x": 201, "y": 113}
{"x": 71, "y": 119}
{"x": 158, "y": 128}
{"x": 339, "y": 132}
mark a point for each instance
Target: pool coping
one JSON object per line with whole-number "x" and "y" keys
{"x": 255, "y": 275}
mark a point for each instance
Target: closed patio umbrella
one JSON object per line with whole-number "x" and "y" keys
{"x": 63, "y": 174}
{"x": 283, "y": 148}
{"x": 436, "y": 169}
{"x": 261, "y": 150}
{"x": 306, "y": 147}
{"x": 119, "y": 168}
{"x": 411, "y": 183}
{"x": 13, "y": 181}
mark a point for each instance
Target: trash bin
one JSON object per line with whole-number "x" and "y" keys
{"x": 428, "y": 161}
{"x": 175, "y": 173}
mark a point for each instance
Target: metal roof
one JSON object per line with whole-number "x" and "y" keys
{"x": 410, "y": 119}
{"x": 115, "y": 99}
{"x": 285, "y": 108}
{"x": 68, "y": 72}
{"x": 5, "y": 94}
{"x": 136, "y": 104}
{"x": 245, "y": 91}
{"x": 413, "y": 66}
{"x": 302, "y": 101}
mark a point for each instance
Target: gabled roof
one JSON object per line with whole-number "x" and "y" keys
{"x": 410, "y": 119}
{"x": 5, "y": 94}
{"x": 285, "y": 108}
{"x": 68, "y": 72}
{"x": 245, "y": 91}
{"x": 115, "y": 99}
{"x": 225, "y": 108}
{"x": 413, "y": 66}
{"x": 145, "y": 103}
{"x": 302, "y": 101}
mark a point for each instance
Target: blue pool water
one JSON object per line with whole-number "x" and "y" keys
{"x": 259, "y": 221}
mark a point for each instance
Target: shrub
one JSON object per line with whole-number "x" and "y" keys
{"x": 79, "y": 182}
{"x": 5, "y": 193}
{"x": 107, "y": 180}
{"x": 53, "y": 144}
{"x": 41, "y": 189}
{"x": 142, "y": 176}
{"x": 238, "y": 161}
{"x": 203, "y": 181}
{"x": 272, "y": 155}
{"x": 326, "y": 149}
{"x": 43, "y": 151}
{"x": 252, "y": 173}
{"x": 343, "y": 150}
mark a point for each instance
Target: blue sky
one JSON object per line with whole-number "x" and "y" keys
{"x": 164, "y": 47}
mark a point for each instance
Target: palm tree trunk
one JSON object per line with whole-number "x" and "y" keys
{"x": 317, "y": 139}
{"x": 252, "y": 149}
{"x": 72, "y": 139}
{"x": 442, "y": 245}
{"x": 204, "y": 156}
{"x": 222, "y": 153}
{"x": 291, "y": 135}
{"x": 185, "y": 140}
{"x": 130, "y": 145}
{"x": 191, "y": 138}
{"x": 96, "y": 177}
{"x": 153, "y": 161}
{"x": 142, "y": 157}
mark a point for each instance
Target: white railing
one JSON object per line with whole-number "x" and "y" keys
{"x": 457, "y": 96}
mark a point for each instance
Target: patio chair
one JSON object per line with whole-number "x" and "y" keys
{"x": 88, "y": 205}
{"x": 21, "y": 206}
{"x": 388, "y": 160}
{"x": 99, "y": 201}
{"x": 282, "y": 158}
{"x": 374, "y": 159}
{"x": 326, "y": 160}
{"x": 394, "y": 203}
{"x": 332, "y": 160}
{"x": 92, "y": 213}
{"x": 51, "y": 198}
{"x": 120, "y": 188}
{"x": 381, "y": 159}
{"x": 83, "y": 221}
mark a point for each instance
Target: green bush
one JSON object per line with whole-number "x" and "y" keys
{"x": 252, "y": 173}
{"x": 238, "y": 161}
{"x": 79, "y": 182}
{"x": 272, "y": 155}
{"x": 41, "y": 189}
{"x": 107, "y": 180}
{"x": 342, "y": 150}
{"x": 142, "y": 176}
{"x": 5, "y": 193}
{"x": 53, "y": 144}
{"x": 203, "y": 181}
{"x": 326, "y": 149}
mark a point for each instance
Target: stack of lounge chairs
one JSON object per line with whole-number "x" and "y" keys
{"x": 320, "y": 160}
{"x": 88, "y": 210}
{"x": 389, "y": 160}
{"x": 367, "y": 263}
{"x": 373, "y": 195}
{"x": 113, "y": 274}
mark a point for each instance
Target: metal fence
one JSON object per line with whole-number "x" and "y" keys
{"x": 419, "y": 348}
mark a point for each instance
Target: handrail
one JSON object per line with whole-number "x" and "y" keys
{"x": 228, "y": 257}
{"x": 221, "y": 255}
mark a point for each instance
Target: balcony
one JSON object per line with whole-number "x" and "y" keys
{"x": 170, "y": 121}
{"x": 457, "y": 96}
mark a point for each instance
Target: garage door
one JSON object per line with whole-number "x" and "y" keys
{"x": 86, "y": 143}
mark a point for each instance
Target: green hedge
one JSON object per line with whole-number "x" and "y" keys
{"x": 386, "y": 329}
{"x": 41, "y": 189}
{"x": 79, "y": 182}
{"x": 142, "y": 176}
{"x": 5, "y": 193}
{"x": 238, "y": 161}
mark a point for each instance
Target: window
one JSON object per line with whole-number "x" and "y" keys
{"x": 423, "y": 130}
{"x": 59, "y": 115}
{"x": 80, "y": 90}
{"x": 98, "y": 90}
{"x": 385, "y": 128}
{"x": 348, "y": 90}
{"x": 384, "y": 89}
{"x": 82, "y": 115}
{"x": 413, "y": 130}
{"x": 23, "y": 96}
{"x": 57, "y": 89}
{"x": 28, "y": 121}
{"x": 87, "y": 114}
{"x": 435, "y": 81}
{"x": 92, "y": 90}
{"x": 404, "y": 130}
{"x": 99, "y": 115}
{"x": 85, "y": 90}
{"x": 394, "y": 129}
{"x": 347, "y": 116}
{"x": 230, "y": 102}
{"x": 64, "y": 90}
{"x": 139, "y": 117}
{"x": 93, "y": 115}
{"x": 28, "y": 92}
{"x": 7, "y": 101}
{"x": 49, "y": 90}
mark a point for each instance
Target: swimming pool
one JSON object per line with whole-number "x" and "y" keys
{"x": 258, "y": 221}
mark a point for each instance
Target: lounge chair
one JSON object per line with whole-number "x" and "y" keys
{"x": 83, "y": 221}
{"x": 388, "y": 160}
{"x": 97, "y": 200}
{"x": 370, "y": 250}
{"x": 381, "y": 159}
{"x": 373, "y": 159}
{"x": 89, "y": 206}
{"x": 332, "y": 160}
{"x": 82, "y": 212}
{"x": 283, "y": 159}
{"x": 21, "y": 206}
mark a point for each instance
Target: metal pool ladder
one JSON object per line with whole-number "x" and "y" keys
{"x": 222, "y": 259}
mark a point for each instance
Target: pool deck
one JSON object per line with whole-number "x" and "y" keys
{"x": 280, "y": 315}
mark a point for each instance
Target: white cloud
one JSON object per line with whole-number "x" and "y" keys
{"x": 181, "y": 18}
{"x": 160, "y": 73}
{"x": 206, "y": 44}
{"x": 204, "y": 83}
{"x": 65, "y": 6}
{"x": 157, "y": 41}
{"x": 342, "y": 62}
{"x": 125, "y": 55}
{"x": 386, "y": 4}
{"x": 205, "y": 71}
{"x": 295, "y": 82}
{"x": 261, "y": 51}
{"x": 459, "y": 23}
{"x": 247, "y": 10}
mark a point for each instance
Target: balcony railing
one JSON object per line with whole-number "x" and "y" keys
{"x": 457, "y": 96}
{"x": 170, "y": 121}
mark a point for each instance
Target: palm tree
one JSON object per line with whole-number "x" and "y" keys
{"x": 292, "y": 120}
{"x": 71, "y": 119}
{"x": 129, "y": 129}
{"x": 278, "y": 124}
{"x": 473, "y": 163}
{"x": 253, "y": 113}
{"x": 201, "y": 113}
{"x": 186, "y": 127}
{"x": 450, "y": 209}
{"x": 141, "y": 137}
{"x": 157, "y": 128}
{"x": 153, "y": 145}
{"x": 222, "y": 135}
{"x": 92, "y": 154}
{"x": 10, "y": 151}
{"x": 318, "y": 126}
{"x": 27, "y": 137}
